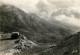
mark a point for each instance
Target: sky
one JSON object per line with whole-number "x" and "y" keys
{"x": 45, "y": 8}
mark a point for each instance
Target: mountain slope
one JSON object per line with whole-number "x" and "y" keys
{"x": 68, "y": 46}
{"x": 33, "y": 27}
{"x": 23, "y": 46}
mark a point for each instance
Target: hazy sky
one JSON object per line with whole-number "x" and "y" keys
{"x": 44, "y": 9}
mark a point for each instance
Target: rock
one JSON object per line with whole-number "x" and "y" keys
{"x": 15, "y": 35}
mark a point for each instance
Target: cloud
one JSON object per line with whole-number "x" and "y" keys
{"x": 49, "y": 5}
{"x": 69, "y": 20}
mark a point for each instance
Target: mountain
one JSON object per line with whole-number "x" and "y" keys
{"x": 68, "y": 46}
{"x": 13, "y": 19}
